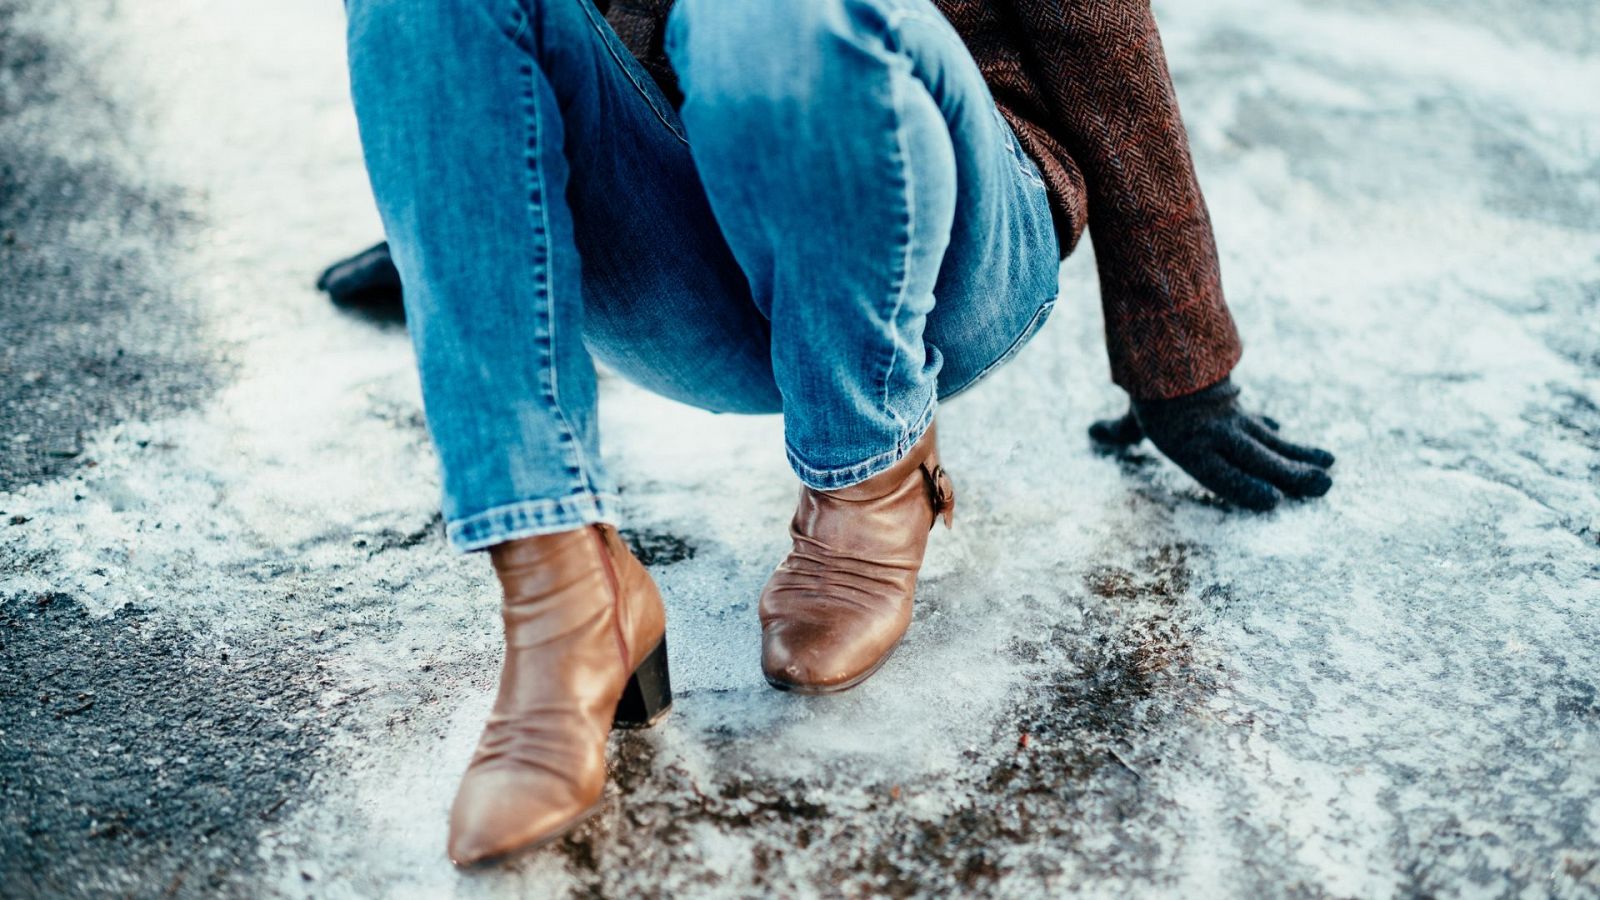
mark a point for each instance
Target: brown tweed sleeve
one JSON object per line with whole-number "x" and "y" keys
{"x": 1104, "y": 76}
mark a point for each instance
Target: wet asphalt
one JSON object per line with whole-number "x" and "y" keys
{"x": 95, "y": 333}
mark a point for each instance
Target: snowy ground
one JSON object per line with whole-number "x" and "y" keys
{"x": 236, "y": 656}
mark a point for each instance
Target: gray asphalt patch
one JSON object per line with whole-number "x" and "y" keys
{"x": 94, "y": 331}
{"x": 133, "y": 760}
{"x": 138, "y": 761}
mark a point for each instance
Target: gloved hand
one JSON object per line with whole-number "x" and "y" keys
{"x": 1238, "y": 456}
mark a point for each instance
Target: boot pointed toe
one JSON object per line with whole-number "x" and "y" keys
{"x": 821, "y": 657}
{"x": 500, "y": 812}
{"x": 795, "y": 656}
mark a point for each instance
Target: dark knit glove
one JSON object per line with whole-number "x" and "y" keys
{"x": 1238, "y": 456}
{"x": 366, "y": 281}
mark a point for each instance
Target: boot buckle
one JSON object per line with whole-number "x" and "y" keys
{"x": 941, "y": 493}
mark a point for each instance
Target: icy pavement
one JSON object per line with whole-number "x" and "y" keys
{"x": 237, "y": 658}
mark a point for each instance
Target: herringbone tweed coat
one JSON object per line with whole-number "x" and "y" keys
{"x": 1085, "y": 86}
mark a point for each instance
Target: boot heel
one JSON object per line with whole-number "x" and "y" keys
{"x": 648, "y": 695}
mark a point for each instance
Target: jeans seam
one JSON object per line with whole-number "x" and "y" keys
{"x": 907, "y": 232}
{"x": 540, "y": 189}
{"x": 1035, "y": 324}
{"x": 601, "y": 26}
{"x": 1024, "y": 163}
{"x": 520, "y": 17}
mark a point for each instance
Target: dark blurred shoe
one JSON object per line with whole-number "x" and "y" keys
{"x": 367, "y": 283}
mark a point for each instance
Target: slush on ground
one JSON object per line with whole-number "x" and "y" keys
{"x": 237, "y": 659}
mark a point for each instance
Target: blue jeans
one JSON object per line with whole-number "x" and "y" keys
{"x": 838, "y": 225}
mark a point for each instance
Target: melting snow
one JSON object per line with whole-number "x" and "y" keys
{"x": 1112, "y": 686}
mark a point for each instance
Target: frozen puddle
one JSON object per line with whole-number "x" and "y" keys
{"x": 1113, "y": 686}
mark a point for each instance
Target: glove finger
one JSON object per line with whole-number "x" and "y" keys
{"x": 1124, "y": 432}
{"x": 1231, "y": 483}
{"x": 1297, "y": 452}
{"x": 1297, "y": 479}
{"x": 1270, "y": 422}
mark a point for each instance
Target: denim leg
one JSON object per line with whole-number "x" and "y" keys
{"x": 859, "y": 170}
{"x": 479, "y": 118}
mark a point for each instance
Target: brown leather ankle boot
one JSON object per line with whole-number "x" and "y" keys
{"x": 840, "y": 603}
{"x": 585, "y": 649}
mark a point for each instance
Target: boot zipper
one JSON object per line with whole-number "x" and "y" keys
{"x": 616, "y": 595}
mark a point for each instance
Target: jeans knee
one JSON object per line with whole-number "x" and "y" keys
{"x": 775, "y": 50}
{"x": 431, "y": 26}
{"x": 392, "y": 29}
{"x": 370, "y": 21}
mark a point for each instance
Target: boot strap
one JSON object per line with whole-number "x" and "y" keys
{"x": 941, "y": 493}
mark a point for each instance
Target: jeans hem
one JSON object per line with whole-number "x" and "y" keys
{"x": 840, "y": 477}
{"x": 529, "y": 518}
